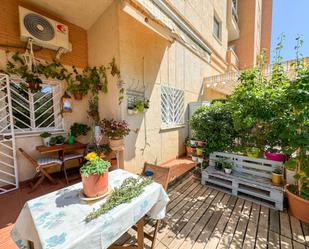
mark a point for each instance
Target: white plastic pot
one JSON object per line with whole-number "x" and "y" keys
{"x": 227, "y": 171}
{"x": 194, "y": 158}
{"x": 46, "y": 141}
{"x": 200, "y": 159}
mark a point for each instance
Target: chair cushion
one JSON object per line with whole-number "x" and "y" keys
{"x": 48, "y": 160}
{"x": 72, "y": 156}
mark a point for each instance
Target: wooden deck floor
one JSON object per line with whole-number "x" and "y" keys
{"x": 199, "y": 217}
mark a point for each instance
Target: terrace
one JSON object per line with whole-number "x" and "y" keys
{"x": 124, "y": 124}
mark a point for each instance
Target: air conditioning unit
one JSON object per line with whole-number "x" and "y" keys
{"x": 43, "y": 31}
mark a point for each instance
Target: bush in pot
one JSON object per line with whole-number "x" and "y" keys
{"x": 227, "y": 166}
{"x": 95, "y": 175}
{"x": 214, "y": 125}
{"x": 79, "y": 129}
{"x": 115, "y": 131}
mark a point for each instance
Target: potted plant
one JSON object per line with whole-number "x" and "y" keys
{"x": 131, "y": 109}
{"x": 227, "y": 167}
{"x": 53, "y": 141}
{"x": 200, "y": 159}
{"x": 115, "y": 131}
{"x": 46, "y": 138}
{"x": 60, "y": 140}
{"x": 78, "y": 129}
{"x": 78, "y": 89}
{"x": 219, "y": 164}
{"x": 199, "y": 150}
{"x": 275, "y": 155}
{"x": 200, "y": 143}
{"x": 194, "y": 157}
{"x": 139, "y": 106}
{"x": 197, "y": 172}
{"x": 193, "y": 142}
{"x": 253, "y": 152}
{"x": 94, "y": 175}
{"x": 188, "y": 147}
{"x": 290, "y": 170}
{"x": 276, "y": 176}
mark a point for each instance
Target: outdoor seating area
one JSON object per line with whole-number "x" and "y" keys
{"x": 160, "y": 124}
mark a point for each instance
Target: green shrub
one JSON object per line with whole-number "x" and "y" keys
{"x": 214, "y": 125}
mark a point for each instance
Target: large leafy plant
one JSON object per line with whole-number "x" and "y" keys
{"x": 78, "y": 129}
{"x": 214, "y": 125}
{"x": 115, "y": 129}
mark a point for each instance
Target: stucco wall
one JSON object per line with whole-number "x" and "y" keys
{"x": 147, "y": 58}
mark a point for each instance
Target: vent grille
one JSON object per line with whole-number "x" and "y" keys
{"x": 39, "y": 27}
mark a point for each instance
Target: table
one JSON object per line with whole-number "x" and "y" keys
{"x": 56, "y": 220}
{"x": 60, "y": 148}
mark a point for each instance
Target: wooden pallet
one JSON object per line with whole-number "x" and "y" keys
{"x": 250, "y": 179}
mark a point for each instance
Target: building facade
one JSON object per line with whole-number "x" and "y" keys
{"x": 165, "y": 50}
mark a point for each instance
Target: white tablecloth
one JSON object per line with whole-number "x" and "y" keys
{"x": 57, "y": 220}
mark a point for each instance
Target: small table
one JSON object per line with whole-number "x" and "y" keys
{"x": 57, "y": 220}
{"x": 60, "y": 148}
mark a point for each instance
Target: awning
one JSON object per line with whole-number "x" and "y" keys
{"x": 161, "y": 19}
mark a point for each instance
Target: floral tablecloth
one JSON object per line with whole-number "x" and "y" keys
{"x": 57, "y": 220}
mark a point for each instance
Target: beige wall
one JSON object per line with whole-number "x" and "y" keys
{"x": 143, "y": 53}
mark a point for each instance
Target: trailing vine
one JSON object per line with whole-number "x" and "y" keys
{"x": 93, "y": 78}
{"x": 129, "y": 189}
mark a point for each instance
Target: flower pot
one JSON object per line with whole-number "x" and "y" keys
{"x": 200, "y": 143}
{"x": 71, "y": 140}
{"x": 199, "y": 151}
{"x": 130, "y": 111}
{"x": 116, "y": 144}
{"x": 200, "y": 159}
{"x": 279, "y": 157}
{"x": 227, "y": 170}
{"x": 289, "y": 176}
{"x": 95, "y": 185}
{"x": 193, "y": 142}
{"x": 194, "y": 158}
{"x": 78, "y": 96}
{"x": 189, "y": 151}
{"x": 298, "y": 207}
{"x": 276, "y": 178}
{"x": 193, "y": 150}
{"x": 46, "y": 141}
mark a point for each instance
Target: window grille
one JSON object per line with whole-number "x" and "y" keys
{"x": 172, "y": 107}
{"x": 35, "y": 112}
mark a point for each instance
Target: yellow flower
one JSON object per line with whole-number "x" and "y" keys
{"x": 91, "y": 156}
{"x": 302, "y": 173}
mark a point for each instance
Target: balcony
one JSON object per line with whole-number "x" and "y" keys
{"x": 232, "y": 20}
{"x": 232, "y": 59}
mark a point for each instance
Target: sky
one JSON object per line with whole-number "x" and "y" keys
{"x": 290, "y": 17}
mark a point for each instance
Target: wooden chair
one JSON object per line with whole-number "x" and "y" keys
{"x": 160, "y": 175}
{"x": 41, "y": 166}
{"x": 71, "y": 157}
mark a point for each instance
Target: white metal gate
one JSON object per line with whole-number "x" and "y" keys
{"x": 8, "y": 166}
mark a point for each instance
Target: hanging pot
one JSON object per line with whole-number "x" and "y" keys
{"x": 78, "y": 96}
{"x": 116, "y": 144}
{"x": 95, "y": 185}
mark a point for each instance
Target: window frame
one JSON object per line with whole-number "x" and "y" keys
{"x": 217, "y": 20}
{"x": 58, "y": 121}
{"x": 180, "y": 108}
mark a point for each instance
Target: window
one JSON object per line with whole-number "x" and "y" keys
{"x": 172, "y": 107}
{"x": 217, "y": 28}
{"x": 36, "y": 112}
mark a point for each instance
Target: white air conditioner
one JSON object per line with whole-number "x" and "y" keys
{"x": 44, "y": 31}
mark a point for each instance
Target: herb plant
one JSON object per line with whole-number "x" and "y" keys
{"x": 45, "y": 134}
{"x": 129, "y": 189}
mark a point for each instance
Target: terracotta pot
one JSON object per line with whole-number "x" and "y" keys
{"x": 116, "y": 144}
{"x": 298, "y": 207}
{"x": 189, "y": 150}
{"x": 279, "y": 157}
{"x": 276, "y": 178}
{"x": 78, "y": 96}
{"x": 95, "y": 185}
